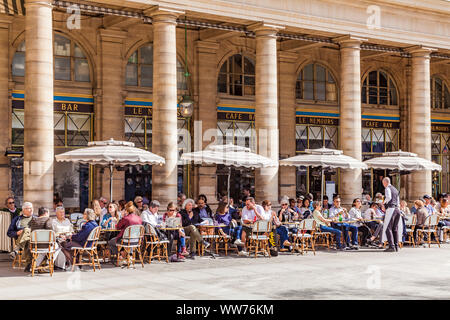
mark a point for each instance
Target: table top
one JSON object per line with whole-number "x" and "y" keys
{"x": 212, "y": 225}
{"x": 170, "y": 228}
{"x": 110, "y": 230}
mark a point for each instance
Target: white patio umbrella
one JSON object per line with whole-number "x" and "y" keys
{"x": 402, "y": 161}
{"x": 110, "y": 153}
{"x": 229, "y": 155}
{"x": 324, "y": 158}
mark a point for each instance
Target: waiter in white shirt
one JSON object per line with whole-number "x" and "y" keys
{"x": 392, "y": 228}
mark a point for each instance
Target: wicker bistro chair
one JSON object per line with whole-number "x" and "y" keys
{"x": 225, "y": 240}
{"x": 430, "y": 227}
{"x": 42, "y": 242}
{"x": 259, "y": 238}
{"x": 208, "y": 234}
{"x": 410, "y": 224}
{"x": 322, "y": 238}
{"x": 18, "y": 259}
{"x": 303, "y": 238}
{"x": 153, "y": 242}
{"x": 90, "y": 247}
{"x": 131, "y": 242}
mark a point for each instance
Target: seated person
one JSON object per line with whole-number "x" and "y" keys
{"x": 176, "y": 234}
{"x": 43, "y": 221}
{"x": 376, "y": 226}
{"x": 305, "y": 209}
{"x": 223, "y": 216}
{"x": 286, "y": 214}
{"x": 132, "y": 218}
{"x": 80, "y": 239}
{"x": 61, "y": 224}
{"x": 11, "y": 207}
{"x": 189, "y": 219}
{"x": 282, "y": 231}
{"x": 151, "y": 215}
{"x": 111, "y": 218}
{"x": 292, "y": 205}
{"x": 325, "y": 225}
{"x": 335, "y": 213}
{"x": 202, "y": 210}
{"x": 421, "y": 215}
{"x": 355, "y": 214}
{"x": 19, "y": 229}
{"x": 250, "y": 213}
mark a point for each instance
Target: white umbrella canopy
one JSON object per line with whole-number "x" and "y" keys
{"x": 229, "y": 155}
{"x": 110, "y": 153}
{"x": 325, "y": 158}
{"x": 402, "y": 161}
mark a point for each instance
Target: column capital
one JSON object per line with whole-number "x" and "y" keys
{"x": 5, "y": 21}
{"x": 265, "y": 29}
{"x": 420, "y": 51}
{"x": 164, "y": 13}
{"x": 112, "y": 35}
{"x": 207, "y": 46}
{"x": 349, "y": 41}
{"x": 287, "y": 56}
{"x": 48, "y": 3}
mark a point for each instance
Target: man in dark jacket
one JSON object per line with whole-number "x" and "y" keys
{"x": 11, "y": 207}
{"x": 202, "y": 210}
{"x": 19, "y": 229}
{"x": 42, "y": 221}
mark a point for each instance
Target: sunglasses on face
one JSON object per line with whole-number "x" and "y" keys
{"x": 284, "y": 204}
{"x": 138, "y": 201}
{"x": 171, "y": 210}
{"x": 11, "y": 202}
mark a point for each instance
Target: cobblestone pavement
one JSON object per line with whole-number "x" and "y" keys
{"x": 413, "y": 273}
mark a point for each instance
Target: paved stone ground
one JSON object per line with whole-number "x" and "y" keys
{"x": 413, "y": 273}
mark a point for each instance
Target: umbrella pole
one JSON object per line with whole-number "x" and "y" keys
{"x": 228, "y": 184}
{"x": 111, "y": 168}
{"x": 321, "y": 189}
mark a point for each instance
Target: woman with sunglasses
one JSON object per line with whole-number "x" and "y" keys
{"x": 286, "y": 214}
{"x": 111, "y": 218}
{"x": 178, "y": 235}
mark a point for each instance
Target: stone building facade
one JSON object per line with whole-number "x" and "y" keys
{"x": 278, "y": 77}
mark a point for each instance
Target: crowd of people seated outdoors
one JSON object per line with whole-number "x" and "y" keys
{"x": 359, "y": 226}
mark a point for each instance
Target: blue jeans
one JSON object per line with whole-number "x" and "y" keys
{"x": 283, "y": 232}
{"x": 238, "y": 232}
{"x": 346, "y": 228}
{"x": 181, "y": 243}
{"x": 336, "y": 232}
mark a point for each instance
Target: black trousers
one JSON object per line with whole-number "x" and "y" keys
{"x": 365, "y": 233}
{"x": 392, "y": 229}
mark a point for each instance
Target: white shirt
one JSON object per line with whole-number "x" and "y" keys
{"x": 64, "y": 226}
{"x": 355, "y": 214}
{"x": 149, "y": 217}
{"x": 335, "y": 211}
{"x": 250, "y": 214}
{"x": 267, "y": 215}
{"x": 104, "y": 211}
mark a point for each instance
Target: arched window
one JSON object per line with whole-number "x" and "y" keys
{"x": 440, "y": 96}
{"x": 139, "y": 69}
{"x": 70, "y": 63}
{"x": 315, "y": 82}
{"x": 237, "y": 76}
{"x": 378, "y": 88}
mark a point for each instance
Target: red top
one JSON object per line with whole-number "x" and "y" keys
{"x": 129, "y": 220}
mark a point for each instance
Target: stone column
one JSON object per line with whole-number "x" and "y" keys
{"x": 164, "y": 123}
{"x": 206, "y": 113}
{"x": 266, "y": 113}
{"x": 286, "y": 84}
{"x": 5, "y": 121}
{"x": 420, "y": 125}
{"x": 38, "y": 137}
{"x": 109, "y": 104}
{"x": 350, "y": 115}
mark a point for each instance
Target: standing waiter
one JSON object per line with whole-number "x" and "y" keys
{"x": 392, "y": 220}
